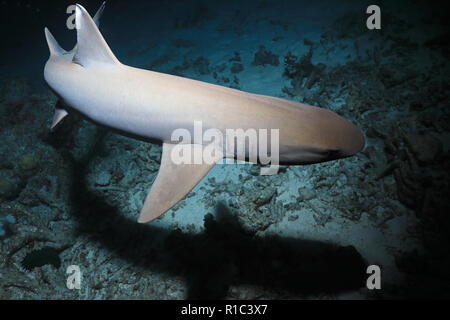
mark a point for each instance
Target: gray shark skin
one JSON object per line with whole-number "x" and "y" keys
{"x": 151, "y": 105}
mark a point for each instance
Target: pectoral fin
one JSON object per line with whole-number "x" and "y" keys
{"x": 173, "y": 182}
{"x": 58, "y": 116}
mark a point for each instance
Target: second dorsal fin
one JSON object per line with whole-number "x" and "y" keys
{"x": 92, "y": 48}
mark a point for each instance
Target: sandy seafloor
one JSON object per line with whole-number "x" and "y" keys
{"x": 72, "y": 196}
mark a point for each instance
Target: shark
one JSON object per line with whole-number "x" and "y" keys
{"x": 148, "y": 105}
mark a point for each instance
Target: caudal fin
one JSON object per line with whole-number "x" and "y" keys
{"x": 99, "y": 14}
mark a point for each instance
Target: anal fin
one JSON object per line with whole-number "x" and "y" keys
{"x": 173, "y": 182}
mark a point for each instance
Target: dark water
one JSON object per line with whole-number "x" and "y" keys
{"x": 72, "y": 196}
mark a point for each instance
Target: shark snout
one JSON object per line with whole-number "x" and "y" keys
{"x": 338, "y": 136}
{"x": 351, "y": 139}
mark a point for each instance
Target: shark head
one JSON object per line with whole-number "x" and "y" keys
{"x": 314, "y": 135}
{"x": 339, "y": 138}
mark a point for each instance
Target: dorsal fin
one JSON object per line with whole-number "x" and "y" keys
{"x": 53, "y": 46}
{"x": 173, "y": 182}
{"x": 92, "y": 48}
{"x": 96, "y": 19}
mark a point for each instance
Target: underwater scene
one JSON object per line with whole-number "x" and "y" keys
{"x": 93, "y": 206}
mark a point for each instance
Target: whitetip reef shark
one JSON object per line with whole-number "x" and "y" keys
{"x": 150, "y": 105}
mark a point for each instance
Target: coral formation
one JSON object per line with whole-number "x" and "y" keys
{"x": 236, "y": 67}
{"x": 263, "y": 57}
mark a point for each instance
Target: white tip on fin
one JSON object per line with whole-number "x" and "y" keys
{"x": 53, "y": 46}
{"x": 92, "y": 48}
{"x": 173, "y": 182}
{"x": 58, "y": 116}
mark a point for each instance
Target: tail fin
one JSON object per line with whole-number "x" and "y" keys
{"x": 98, "y": 14}
{"x": 53, "y": 46}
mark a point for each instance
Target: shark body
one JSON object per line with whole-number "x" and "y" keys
{"x": 151, "y": 105}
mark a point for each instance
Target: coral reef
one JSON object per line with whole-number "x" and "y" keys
{"x": 236, "y": 67}
{"x": 263, "y": 57}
